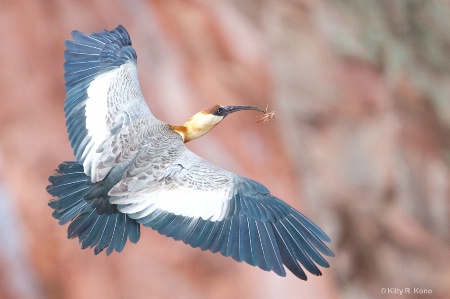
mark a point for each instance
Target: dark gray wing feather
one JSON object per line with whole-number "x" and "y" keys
{"x": 255, "y": 227}
{"x": 106, "y": 114}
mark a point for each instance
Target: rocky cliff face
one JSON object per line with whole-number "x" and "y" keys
{"x": 360, "y": 142}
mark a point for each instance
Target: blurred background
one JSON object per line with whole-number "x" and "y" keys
{"x": 360, "y": 144}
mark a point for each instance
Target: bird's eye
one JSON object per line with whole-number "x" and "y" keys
{"x": 219, "y": 111}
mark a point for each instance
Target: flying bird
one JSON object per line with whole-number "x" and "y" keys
{"x": 132, "y": 169}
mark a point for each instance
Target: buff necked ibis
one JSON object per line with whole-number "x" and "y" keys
{"x": 131, "y": 169}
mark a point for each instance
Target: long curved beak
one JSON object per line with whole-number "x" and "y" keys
{"x": 231, "y": 109}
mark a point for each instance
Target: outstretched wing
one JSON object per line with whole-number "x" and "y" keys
{"x": 205, "y": 206}
{"x": 106, "y": 114}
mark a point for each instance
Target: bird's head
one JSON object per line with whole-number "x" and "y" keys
{"x": 202, "y": 122}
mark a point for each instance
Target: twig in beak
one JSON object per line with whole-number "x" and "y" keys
{"x": 267, "y": 116}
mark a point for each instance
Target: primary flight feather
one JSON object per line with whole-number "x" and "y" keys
{"x": 132, "y": 169}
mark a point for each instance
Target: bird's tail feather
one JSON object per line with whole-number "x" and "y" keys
{"x": 94, "y": 221}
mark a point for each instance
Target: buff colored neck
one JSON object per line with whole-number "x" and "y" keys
{"x": 197, "y": 126}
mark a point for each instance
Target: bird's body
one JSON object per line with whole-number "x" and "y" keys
{"x": 133, "y": 169}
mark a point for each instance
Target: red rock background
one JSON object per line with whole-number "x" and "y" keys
{"x": 361, "y": 142}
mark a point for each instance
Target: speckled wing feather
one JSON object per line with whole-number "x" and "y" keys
{"x": 106, "y": 115}
{"x": 192, "y": 200}
{"x": 108, "y": 122}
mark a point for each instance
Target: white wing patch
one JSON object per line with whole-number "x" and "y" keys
{"x": 208, "y": 205}
{"x": 96, "y": 112}
{"x": 96, "y": 105}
